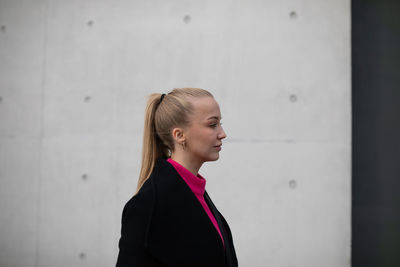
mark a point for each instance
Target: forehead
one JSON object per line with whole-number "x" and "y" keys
{"x": 204, "y": 108}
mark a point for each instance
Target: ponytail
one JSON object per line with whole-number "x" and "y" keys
{"x": 153, "y": 148}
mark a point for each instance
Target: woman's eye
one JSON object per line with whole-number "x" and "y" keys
{"x": 215, "y": 124}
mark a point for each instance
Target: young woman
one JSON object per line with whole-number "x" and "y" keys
{"x": 171, "y": 221}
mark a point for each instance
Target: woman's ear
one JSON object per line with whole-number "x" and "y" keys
{"x": 178, "y": 135}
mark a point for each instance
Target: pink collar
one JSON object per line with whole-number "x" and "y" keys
{"x": 196, "y": 183}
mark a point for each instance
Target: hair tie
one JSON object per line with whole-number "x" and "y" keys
{"x": 161, "y": 98}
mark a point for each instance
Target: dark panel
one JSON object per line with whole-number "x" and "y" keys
{"x": 376, "y": 133}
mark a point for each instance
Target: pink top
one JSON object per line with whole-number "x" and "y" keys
{"x": 197, "y": 184}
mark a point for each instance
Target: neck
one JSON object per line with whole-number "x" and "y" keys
{"x": 186, "y": 162}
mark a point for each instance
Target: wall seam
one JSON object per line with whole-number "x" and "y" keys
{"x": 41, "y": 133}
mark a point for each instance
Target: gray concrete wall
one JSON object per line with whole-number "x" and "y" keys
{"x": 74, "y": 76}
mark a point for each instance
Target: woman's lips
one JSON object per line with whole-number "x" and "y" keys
{"x": 218, "y": 147}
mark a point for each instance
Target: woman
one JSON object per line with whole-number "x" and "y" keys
{"x": 171, "y": 220}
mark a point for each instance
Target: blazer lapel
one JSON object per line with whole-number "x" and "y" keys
{"x": 231, "y": 260}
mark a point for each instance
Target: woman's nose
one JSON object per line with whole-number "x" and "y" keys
{"x": 222, "y": 134}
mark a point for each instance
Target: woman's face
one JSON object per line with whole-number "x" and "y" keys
{"x": 204, "y": 133}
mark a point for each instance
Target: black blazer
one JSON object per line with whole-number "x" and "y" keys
{"x": 164, "y": 224}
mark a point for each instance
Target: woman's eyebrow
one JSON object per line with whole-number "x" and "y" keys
{"x": 214, "y": 117}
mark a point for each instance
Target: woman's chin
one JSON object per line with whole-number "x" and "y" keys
{"x": 214, "y": 157}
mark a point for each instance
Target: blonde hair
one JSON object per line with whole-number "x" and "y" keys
{"x": 160, "y": 118}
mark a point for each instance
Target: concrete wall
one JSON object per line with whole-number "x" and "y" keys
{"x": 74, "y": 76}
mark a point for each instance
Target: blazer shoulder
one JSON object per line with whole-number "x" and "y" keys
{"x": 136, "y": 214}
{"x": 141, "y": 203}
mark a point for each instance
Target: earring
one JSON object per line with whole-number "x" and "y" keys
{"x": 184, "y": 145}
